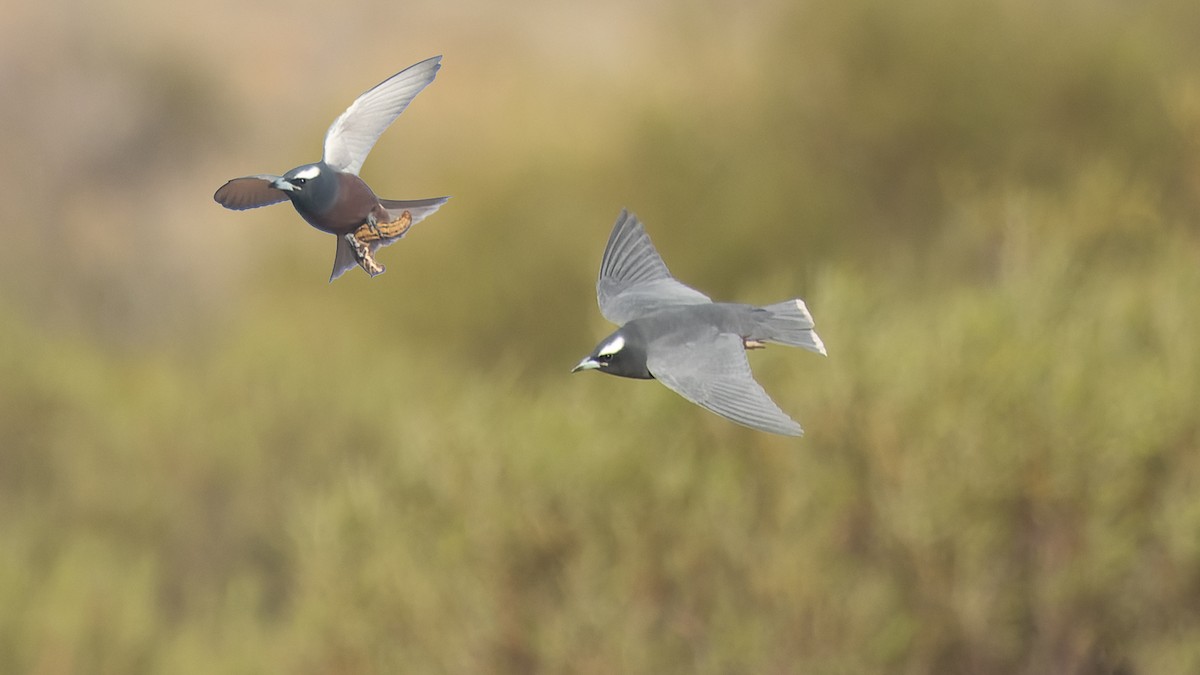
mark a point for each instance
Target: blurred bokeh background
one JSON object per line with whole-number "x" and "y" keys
{"x": 211, "y": 460}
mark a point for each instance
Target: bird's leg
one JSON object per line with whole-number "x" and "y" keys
{"x": 373, "y": 225}
{"x": 753, "y": 344}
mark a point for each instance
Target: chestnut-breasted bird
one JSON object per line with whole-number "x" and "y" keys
{"x": 677, "y": 335}
{"x": 330, "y": 195}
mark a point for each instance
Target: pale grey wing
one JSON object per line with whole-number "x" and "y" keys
{"x": 249, "y": 192}
{"x": 634, "y": 280}
{"x": 353, "y": 134}
{"x": 713, "y": 372}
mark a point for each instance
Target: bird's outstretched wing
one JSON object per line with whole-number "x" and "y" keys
{"x": 249, "y": 192}
{"x": 353, "y": 134}
{"x": 712, "y": 371}
{"x": 634, "y": 280}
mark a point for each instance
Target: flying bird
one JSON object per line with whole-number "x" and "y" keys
{"x": 329, "y": 195}
{"x": 677, "y": 335}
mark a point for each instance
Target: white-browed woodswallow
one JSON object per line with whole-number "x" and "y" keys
{"x": 330, "y": 195}
{"x": 677, "y": 335}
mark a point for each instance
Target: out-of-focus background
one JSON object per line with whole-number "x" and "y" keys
{"x": 211, "y": 460}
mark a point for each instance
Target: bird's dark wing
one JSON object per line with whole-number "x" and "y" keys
{"x": 249, "y": 192}
{"x": 712, "y": 371}
{"x": 634, "y": 280}
{"x": 353, "y": 134}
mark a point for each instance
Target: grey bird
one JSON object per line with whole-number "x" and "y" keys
{"x": 330, "y": 195}
{"x": 677, "y": 335}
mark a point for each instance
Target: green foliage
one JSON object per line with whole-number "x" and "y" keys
{"x": 990, "y": 209}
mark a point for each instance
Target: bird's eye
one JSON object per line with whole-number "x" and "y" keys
{"x": 299, "y": 181}
{"x": 604, "y": 357}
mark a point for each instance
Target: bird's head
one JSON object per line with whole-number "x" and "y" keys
{"x": 618, "y": 354}
{"x": 311, "y": 184}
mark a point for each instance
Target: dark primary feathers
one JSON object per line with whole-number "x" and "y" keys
{"x": 249, "y": 192}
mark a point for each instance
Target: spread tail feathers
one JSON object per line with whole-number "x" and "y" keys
{"x": 344, "y": 260}
{"x": 790, "y": 323}
{"x": 418, "y": 210}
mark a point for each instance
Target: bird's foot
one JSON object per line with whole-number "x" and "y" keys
{"x": 753, "y": 344}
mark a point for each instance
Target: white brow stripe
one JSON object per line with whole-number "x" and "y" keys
{"x": 616, "y": 345}
{"x": 310, "y": 172}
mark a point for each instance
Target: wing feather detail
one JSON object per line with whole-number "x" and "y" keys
{"x": 713, "y": 372}
{"x": 353, "y": 134}
{"x": 634, "y": 280}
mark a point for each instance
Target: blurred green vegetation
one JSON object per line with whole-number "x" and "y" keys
{"x": 212, "y": 461}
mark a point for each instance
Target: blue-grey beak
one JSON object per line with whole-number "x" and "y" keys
{"x": 587, "y": 364}
{"x": 283, "y": 184}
